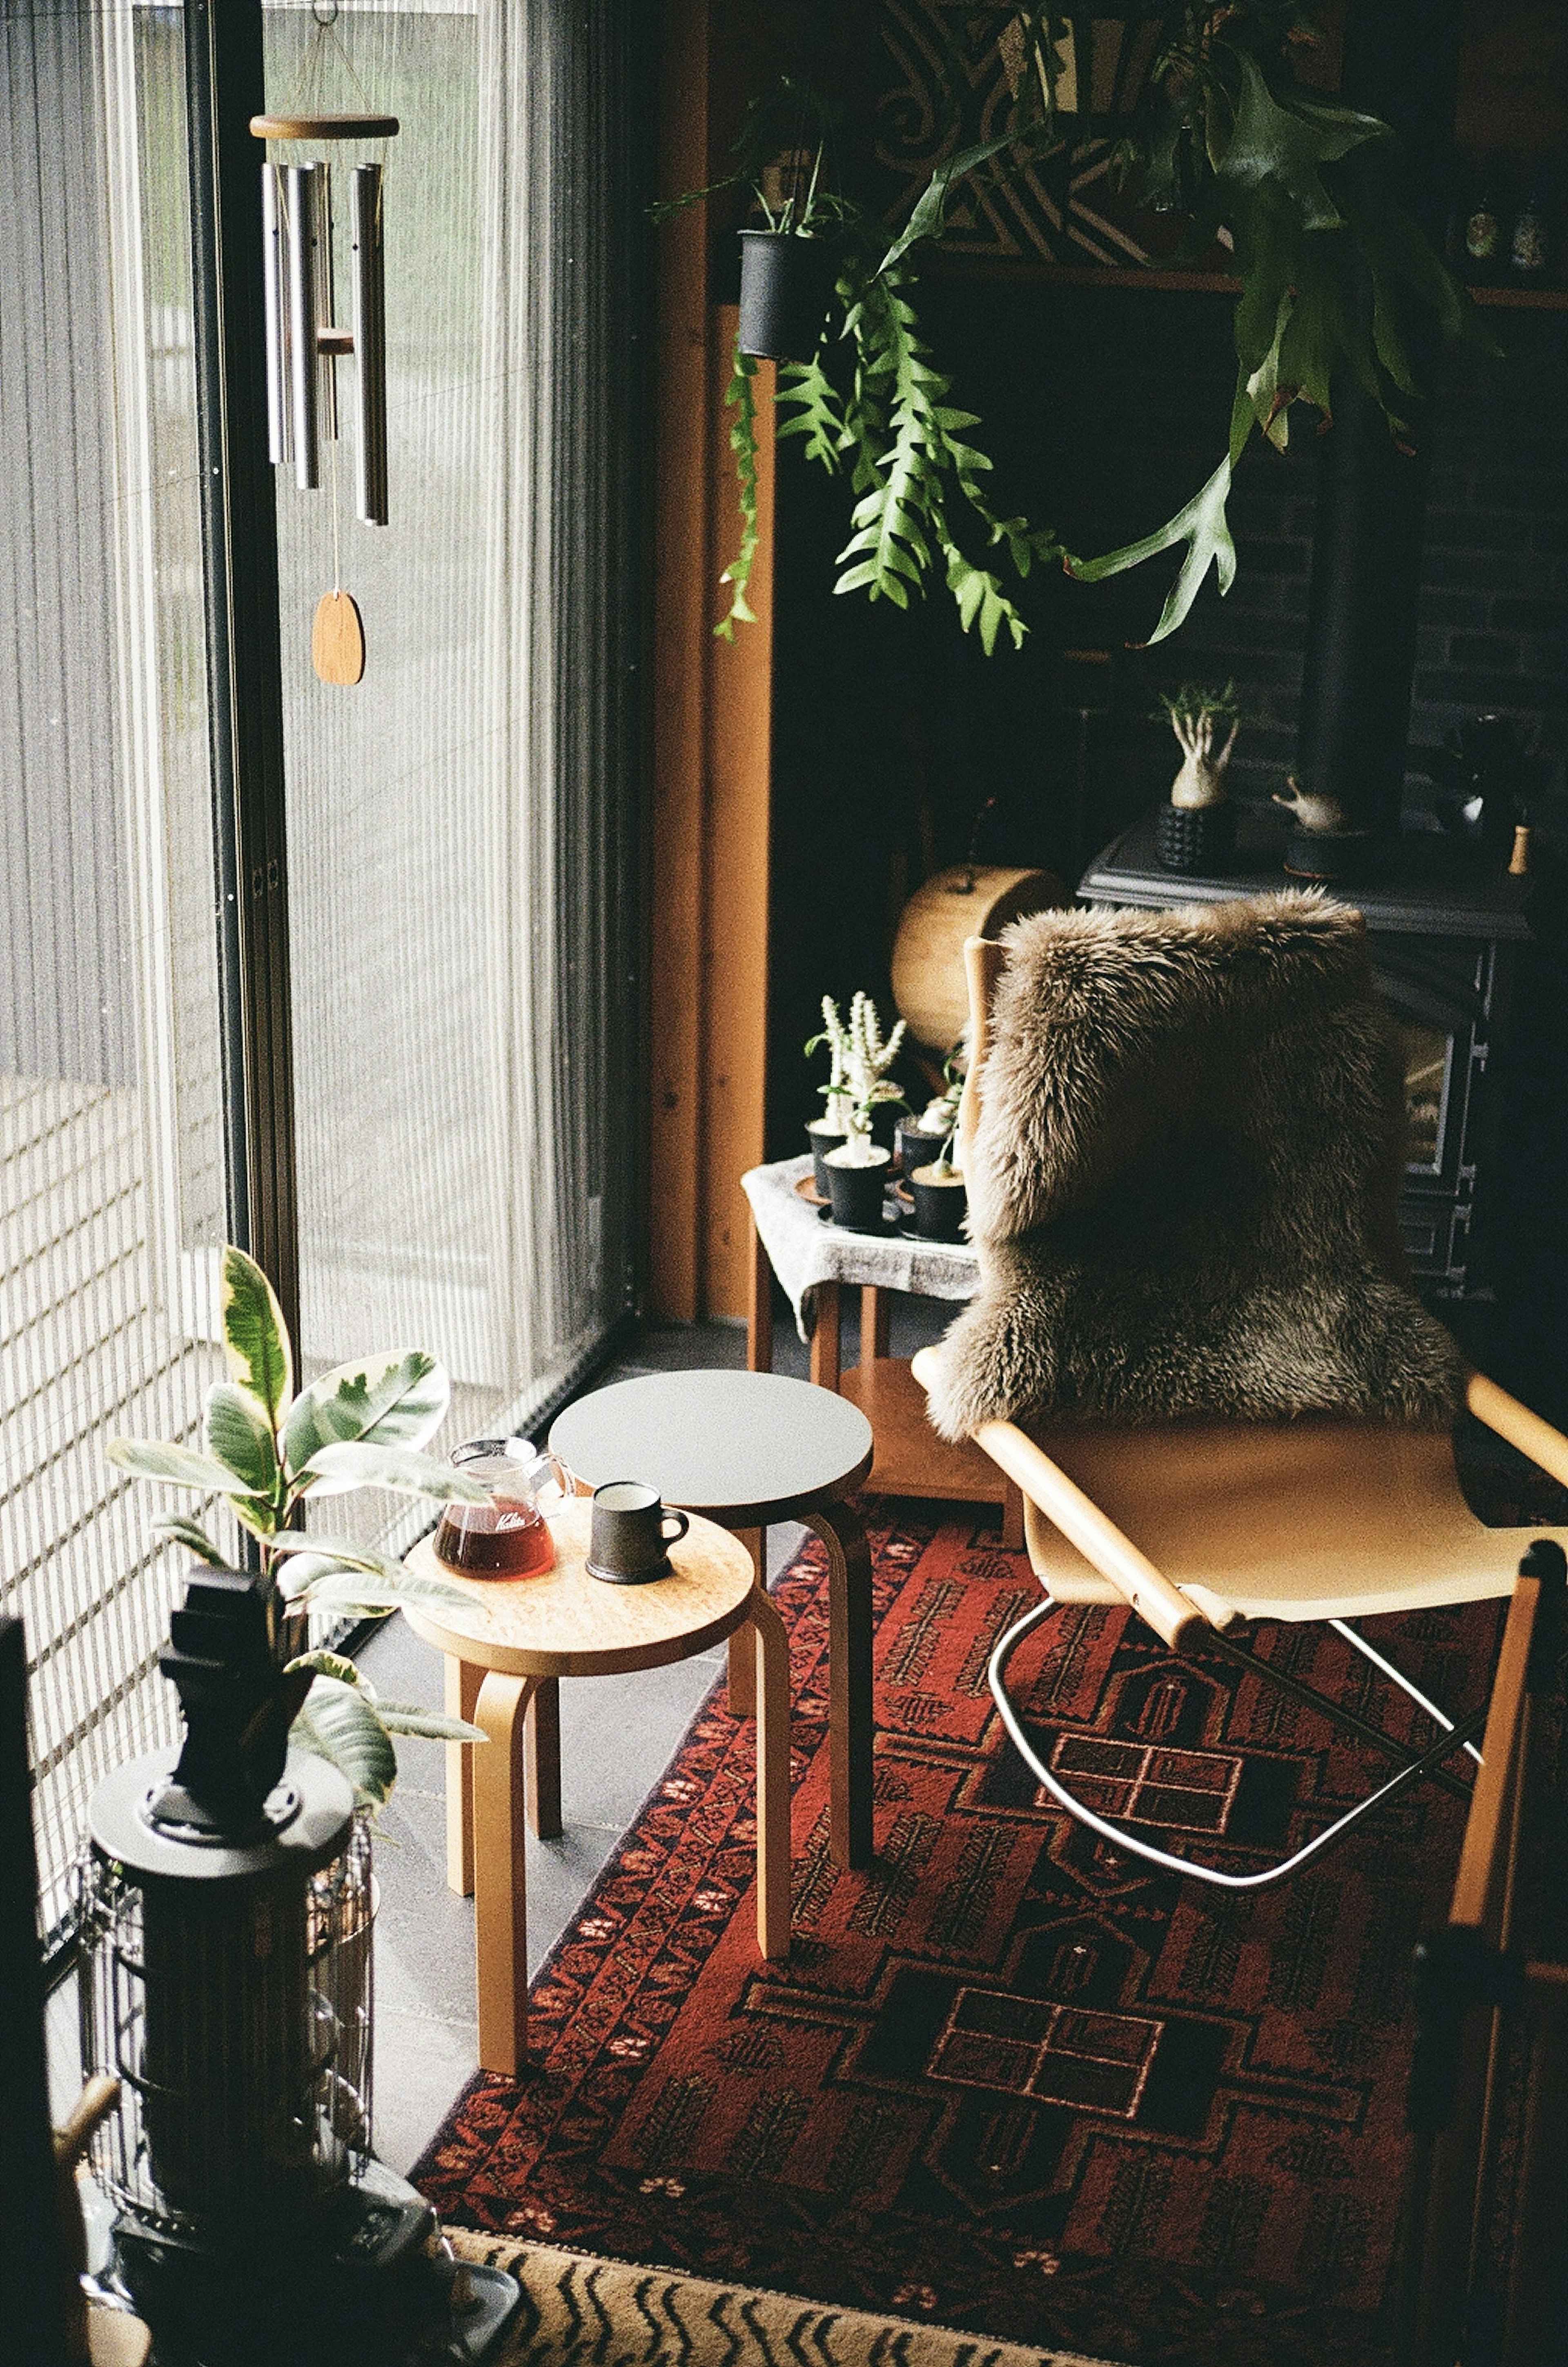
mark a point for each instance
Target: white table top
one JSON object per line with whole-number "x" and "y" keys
{"x": 805, "y": 1253}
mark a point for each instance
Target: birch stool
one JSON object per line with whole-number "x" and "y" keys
{"x": 747, "y": 1450}
{"x": 507, "y": 1655}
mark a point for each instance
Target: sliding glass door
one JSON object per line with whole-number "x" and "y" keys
{"x": 452, "y": 1161}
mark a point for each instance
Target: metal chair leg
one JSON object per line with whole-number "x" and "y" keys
{"x": 1411, "y": 1771}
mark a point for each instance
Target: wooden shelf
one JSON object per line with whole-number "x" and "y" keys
{"x": 1159, "y": 278}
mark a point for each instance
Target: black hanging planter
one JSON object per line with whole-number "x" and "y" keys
{"x": 785, "y": 282}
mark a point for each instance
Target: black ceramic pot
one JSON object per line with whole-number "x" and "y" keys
{"x": 856, "y": 1193}
{"x": 884, "y": 1120}
{"x": 1195, "y": 838}
{"x": 823, "y": 1136}
{"x": 940, "y": 1203}
{"x": 785, "y": 282}
{"x": 1347, "y": 854}
{"x": 916, "y": 1147}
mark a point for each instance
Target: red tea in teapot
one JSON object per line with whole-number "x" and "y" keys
{"x": 506, "y": 1535}
{"x": 495, "y": 1540}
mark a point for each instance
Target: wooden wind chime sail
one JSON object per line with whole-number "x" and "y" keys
{"x": 304, "y": 342}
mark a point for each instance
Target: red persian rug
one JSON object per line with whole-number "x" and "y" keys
{"x": 1009, "y": 2077}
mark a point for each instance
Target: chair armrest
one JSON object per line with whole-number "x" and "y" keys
{"x": 1546, "y": 1448}
{"x": 1171, "y": 1614}
{"x": 1167, "y": 1611}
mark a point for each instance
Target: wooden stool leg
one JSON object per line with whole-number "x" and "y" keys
{"x": 876, "y": 1322}
{"x": 462, "y": 1692}
{"x": 825, "y": 1358}
{"x": 742, "y": 1653}
{"x": 543, "y": 1759}
{"x": 501, "y": 1881}
{"x": 759, "y": 1316}
{"x": 1012, "y": 1519}
{"x": 772, "y": 1646}
{"x": 849, "y": 1706}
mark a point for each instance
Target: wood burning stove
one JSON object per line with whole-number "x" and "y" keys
{"x": 1445, "y": 938}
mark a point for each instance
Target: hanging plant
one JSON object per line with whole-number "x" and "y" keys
{"x": 1301, "y": 187}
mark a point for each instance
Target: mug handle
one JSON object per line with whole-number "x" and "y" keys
{"x": 670, "y": 1535}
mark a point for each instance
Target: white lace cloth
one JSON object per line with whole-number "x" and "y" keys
{"x": 805, "y": 1253}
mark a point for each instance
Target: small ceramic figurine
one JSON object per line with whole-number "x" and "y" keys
{"x": 1315, "y": 813}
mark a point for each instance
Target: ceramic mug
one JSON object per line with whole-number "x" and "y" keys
{"x": 629, "y": 1538}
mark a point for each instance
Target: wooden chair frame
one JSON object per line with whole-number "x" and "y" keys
{"x": 1473, "y": 1977}
{"x": 1189, "y": 1617}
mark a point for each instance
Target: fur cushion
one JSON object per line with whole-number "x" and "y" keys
{"x": 1185, "y": 1180}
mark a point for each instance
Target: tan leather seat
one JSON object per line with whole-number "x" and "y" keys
{"x": 1306, "y": 1520}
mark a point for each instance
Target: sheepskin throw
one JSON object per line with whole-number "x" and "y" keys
{"x": 1184, "y": 1185}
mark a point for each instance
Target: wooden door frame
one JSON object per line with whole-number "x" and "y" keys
{"x": 711, "y": 748}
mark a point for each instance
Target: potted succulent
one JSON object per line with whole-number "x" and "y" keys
{"x": 267, "y": 1451}
{"x": 923, "y": 1139}
{"x": 858, "y": 1168}
{"x": 787, "y": 270}
{"x": 939, "y": 1197}
{"x": 825, "y": 1133}
{"x": 1195, "y": 830}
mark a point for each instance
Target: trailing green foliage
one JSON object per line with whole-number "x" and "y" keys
{"x": 741, "y": 393}
{"x": 266, "y": 1451}
{"x": 1336, "y": 279}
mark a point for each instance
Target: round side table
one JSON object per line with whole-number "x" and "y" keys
{"x": 745, "y": 1450}
{"x": 521, "y": 1636}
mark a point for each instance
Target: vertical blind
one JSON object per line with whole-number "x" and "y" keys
{"x": 463, "y": 824}
{"x": 111, "y": 1183}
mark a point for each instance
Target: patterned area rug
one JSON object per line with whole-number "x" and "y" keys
{"x": 1008, "y": 2080}
{"x": 581, "y": 2311}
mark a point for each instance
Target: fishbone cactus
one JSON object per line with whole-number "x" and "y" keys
{"x": 860, "y": 1081}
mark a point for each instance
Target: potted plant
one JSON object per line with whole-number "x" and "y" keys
{"x": 268, "y": 1451}
{"x": 1196, "y": 829}
{"x": 857, "y": 1169}
{"x": 1305, "y": 189}
{"x": 825, "y": 1133}
{"x": 787, "y": 270}
{"x": 939, "y": 1197}
{"x": 922, "y": 1138}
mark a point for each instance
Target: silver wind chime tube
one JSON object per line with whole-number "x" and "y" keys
{"x": 370, "y": 344}
{"x": 301, "y": 239}
{"x": 303, "y": 346}
{"x": 279, "y": 443}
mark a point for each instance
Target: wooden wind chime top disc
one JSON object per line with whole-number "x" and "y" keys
{"x": 323, "y": 127}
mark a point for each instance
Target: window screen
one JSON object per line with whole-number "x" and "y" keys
{"x": 111, "y": 1177}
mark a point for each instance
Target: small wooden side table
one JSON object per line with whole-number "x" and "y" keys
{"x": 521, "y": 1636}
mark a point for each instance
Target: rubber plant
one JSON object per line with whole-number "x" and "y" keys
{"x": 266, "y": 1451}
{"x": 1334, "y": 272}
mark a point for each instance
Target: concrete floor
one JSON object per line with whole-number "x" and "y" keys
{"x": 617, "y": 1737}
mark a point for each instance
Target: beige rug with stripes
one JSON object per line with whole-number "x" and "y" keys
{"x": 581, "y": 2312}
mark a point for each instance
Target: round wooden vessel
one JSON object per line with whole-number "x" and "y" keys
{"x": 975, "y": 901}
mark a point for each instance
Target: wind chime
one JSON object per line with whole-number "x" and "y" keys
{"x": 304, "y": 342}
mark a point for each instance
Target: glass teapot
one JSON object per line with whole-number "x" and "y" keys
{"x": 508, "y": 1535}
